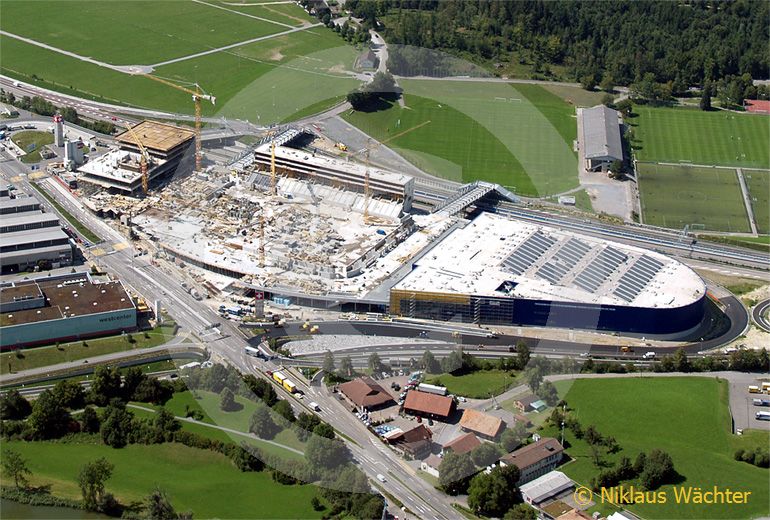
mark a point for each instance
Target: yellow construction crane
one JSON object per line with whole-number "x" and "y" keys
{"x": 197, "y": 95}
{"x": 143, "y": 161}
{"x": 273, "y": 189}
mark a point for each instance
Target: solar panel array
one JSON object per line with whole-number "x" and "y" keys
{"x": 599, "y": 269}
{"x": 637, "y": 277}
{"x": 528, "y": 253}
{"x": 565, "y": 259}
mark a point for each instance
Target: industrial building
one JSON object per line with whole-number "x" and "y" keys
{"x": 600, "y": 138}
{"x": 62, "y": 308}
{"x": 29, "y": 238}
{"x": 120, "y": 170}
{"x": 500, "y": 271}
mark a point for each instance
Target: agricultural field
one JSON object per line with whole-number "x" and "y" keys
{"x": 265, "y": 81}
{"x": 199, "y": 480}
{"x": 517, "y": 136}
{"x": 707, "y": 138}
{"x": 758, "y": 183}
{"x": 688, "y": 417}
{"x": 675, "y": 196}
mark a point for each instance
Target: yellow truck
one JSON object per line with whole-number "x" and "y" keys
{"x": 289, "y": 386}
{"x": 279, "y": 377}
{"x": 754, "y": 389}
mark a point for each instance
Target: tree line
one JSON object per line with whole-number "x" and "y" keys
{"x": 41, "y": 106}
{"x": 690, "y": 41}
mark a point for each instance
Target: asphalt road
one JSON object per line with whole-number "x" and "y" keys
{"x": 761, "y": 315}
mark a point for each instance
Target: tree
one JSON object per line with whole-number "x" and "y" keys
{"x": 325, "y": 454}
{"x": 262, "y": 424}
{"x": 429, "y": 363}
{"x": 133, "y": 377}
{"x": 375, "y": 363}
{"x": 455, "y": 472}
{"x": 328, "y": 363}
{"x": 13, "y": 406}
{"x": 89, "y": 420}
{"x": 346, "y": 367}
{"x": 49, "y": 419}
{"x": 522, "y": 355}
{"x": 625, "y": 107}
{"x": 513, "y": 437}
{"x": 681, "y": 362}
{"x": 534, "y": 379}
{"x": 92, "y": 478}
{"x": 548, "y": 393}
{"x": 658, "y": 469}
{"x": 639, "y": 463}
{"x": 227, "y": 402}
{"x": 608, "y": 83}
{"x": 705, "y": 98}
{"x": 608, "y": 100}
{"x": 157, "y": 506}
{"x": 305, "y": 424}
{"x": 283, "y": 408}
{"x": 489, "y": 494}
{"x": 616, "y": 167}
{"x": 15, "y": 466}
{"x": 520, "y": 512}
{"x": 153, "y": 390}
{"x": 485, "y": 454}
{"x": 117, "y": 424}
{"x": 69, "y": 393}
{"x": 324, "y": 430}
{"x": 165, "y": 425}
{"x": 105, "y": 385}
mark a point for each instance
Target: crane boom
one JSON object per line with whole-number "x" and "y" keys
{"x": 143, "y": 161}
{"x": 197, "y": 95}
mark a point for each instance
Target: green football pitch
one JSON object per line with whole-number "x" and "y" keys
{"x": 703, "y": 198}
{"x": 520, "y": 137}
{"x": 707, "y": 138}
{"x": 758, "y": 183}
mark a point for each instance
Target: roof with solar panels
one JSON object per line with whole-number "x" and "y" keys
{"x": 496, "y": 256}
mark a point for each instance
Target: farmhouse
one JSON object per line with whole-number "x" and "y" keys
{"x": 462, "y": 444}
{"x": 364, "y": 393}
{"x": 428, "y": 405}
{"x": 536, "y": 459}
{"x": 484, "y": 425}
{"x": 600, "y": 138}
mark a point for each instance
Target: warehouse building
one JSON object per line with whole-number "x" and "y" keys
{"x": 29, "y": 238}
{"x": 119, "y": 170}
{"x": 500, "y": 271}
{"x": 62, "y": 308}
{"x": 600, "y": 138}
{"x": 323, "y": 169}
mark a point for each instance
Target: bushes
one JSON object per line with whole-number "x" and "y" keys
{"x": 759, "y": 457}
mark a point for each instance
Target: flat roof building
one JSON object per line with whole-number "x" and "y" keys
{"x": 600, "y": 138}
{"x": 335, "y": 172}
{"x": 63, "y": 308}
{"x": 548, "y": 486}
{"x": 500, "y": 271}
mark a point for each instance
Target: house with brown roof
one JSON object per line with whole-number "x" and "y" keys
{"x": 536, "y": 459}
{"x": 415, "y": 443}
{"x": 365, "y": 393}
{"x": 482, "y": 424}
{"x": 429, "y": 405}
{"x": 462, "y": 444}
{"x": 524, "y": 404}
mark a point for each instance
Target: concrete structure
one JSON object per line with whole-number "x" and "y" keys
{"x": 536, "y": 459}
{"x": 120, "y": 170}
{"x": 58, "y": 130}
{"x": 600, "y": 139}
{"x": 64, "y": 308}
{"x": 366, "y": 394}
{"x": 465, "y": 443}
{"x": 73, "y": 153}
{"x": 482, "y": 424}
{"x": 29, "y": 238}
{"x": 429, "y": 405}
{"x": 331, "y": 171}
{"x": 545, "y": 487}
{"x": 508, "y": 272}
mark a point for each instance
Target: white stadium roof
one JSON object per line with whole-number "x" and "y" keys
{"x": 495, "y": 256}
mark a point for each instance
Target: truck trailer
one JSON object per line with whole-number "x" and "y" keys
{"x": 431, "y": 389}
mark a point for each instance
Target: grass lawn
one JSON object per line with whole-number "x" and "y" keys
{"x": 687, "y": 417}
{"x": 691, "y": 135}
{"x": 140, "y": 32}
{"x": 758, "y": 184}
{"x": 31, "y": 138}
{"x": 577, "y": 96}
{"x": 199, "y": 480}
{"x": 208, "y": 404}
{"x": 673, "y": 196}
{"x": 489, "y": 131}
{"x": 480, "y": 384}
{"x": 51, "y": 355}
{"x": 315, "y": 108}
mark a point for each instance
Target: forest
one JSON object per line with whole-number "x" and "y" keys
{"x": 686, "y": 42}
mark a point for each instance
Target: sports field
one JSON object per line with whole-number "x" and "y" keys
{"x": 265, "y": 81}
{"x": 519, "y": 137}
{"x": 758, "y": 183}
{"x": 688, "y": 417}
{"x": 199, "y": 480}
{"x": 675, "y": 196}
{"x": 706, "y": 138}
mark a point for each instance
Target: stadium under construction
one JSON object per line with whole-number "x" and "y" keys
{"x": 303, "y": 224}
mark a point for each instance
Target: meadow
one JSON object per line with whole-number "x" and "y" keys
{"x": 480, "y": 384}
{"x": 675, "y": 196}
{"x": 709, "y": 138}
{"x": 758, "y": 183}
{"x": 517, "y": 136}
{"x": 202, "y": 481}
{"x": 687, "y": 417}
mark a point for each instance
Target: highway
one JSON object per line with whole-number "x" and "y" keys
{"x": 761, "y": 315}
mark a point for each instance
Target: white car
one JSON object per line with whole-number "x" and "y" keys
{"x": 381, "y": 477}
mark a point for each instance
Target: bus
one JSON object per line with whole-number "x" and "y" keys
{"x": 753, "y": 389}
{"x": 279, "y": 377}
{"x": 289, "y": 386}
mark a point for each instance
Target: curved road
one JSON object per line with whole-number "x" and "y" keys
{"x": 761, "y": 315}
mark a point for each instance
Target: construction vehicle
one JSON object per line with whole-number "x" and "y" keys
{"x": 143, "y": 162}
{"x": 342, "y": 146}
{"x": 197, "y": 95}
{"x": 314, "y": 329}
